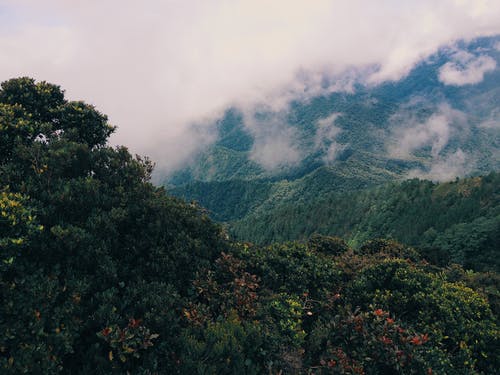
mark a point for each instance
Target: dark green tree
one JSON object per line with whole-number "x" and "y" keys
{"x": 87, "y": 242}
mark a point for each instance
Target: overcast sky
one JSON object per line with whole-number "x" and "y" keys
{"x": 157, "y": 67}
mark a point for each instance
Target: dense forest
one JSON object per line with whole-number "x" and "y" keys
{"x": 389, "y": 142}
{"x": 365, "y": 125}
{"x": 455, "y": 222}
{"x": 102, "y": 272}
{"x": 458, "y": 221}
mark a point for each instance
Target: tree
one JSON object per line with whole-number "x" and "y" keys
{"x": 90, "y": 243}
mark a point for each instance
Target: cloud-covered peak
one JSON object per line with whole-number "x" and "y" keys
{"x": 156, "y": 67}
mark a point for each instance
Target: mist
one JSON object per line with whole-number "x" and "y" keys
{"x": 165, "y": 71}
{"x": 466, "y": 69}
{"x": 325, "y": 139}
{"x": 446, "y": 168}
{"x": 409, "y": 134}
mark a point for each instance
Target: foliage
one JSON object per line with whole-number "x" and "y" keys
{"x": 227, "y": 347}
{"x": 327, "y": 245}
{"x": 103, "y": 273}
{"x": 453, "y": 314}
{"x": 292, "y": 268}
{"x": 17, "y": 225}
{"x": 91, "y": 243}
{"x": 128, "y": 341}
{"x": 457, "y": 221}
{"x": 372, "y": 342}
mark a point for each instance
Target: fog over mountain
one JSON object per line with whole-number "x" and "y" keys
{"x": 249, "y": 187}
{"x": 164, "y": 71}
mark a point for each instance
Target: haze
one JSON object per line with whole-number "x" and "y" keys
{"x": 163, "y": 71}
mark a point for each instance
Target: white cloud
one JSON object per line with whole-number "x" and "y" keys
{"x": 156, "y": 67}
{"x": 497, "y": 46}
{"x": 410, "y": 135}
{"x": 325, "y": 139}
{"x": 466, "y": 69}
{"x": 276, "y": 145}
{"x": 276, "y": 152}
{"x": 446, "y": 168}
{"x": 435, "y": 134}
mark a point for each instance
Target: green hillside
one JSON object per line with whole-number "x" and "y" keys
{"x": 459, "y": 220}
{"x": 370, "y": 122}
{"x": 456, "y": 221}
{"x": 101, "y": 272}
{"x": 232, "y": 199}
{"x": 382, "y": 135}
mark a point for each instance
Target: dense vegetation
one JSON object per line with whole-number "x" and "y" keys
{"x": 101, "y": 272}
{"x": 361, "y": 194}
{"x": 457, "y": 221}
{"x": 368, "y": 120}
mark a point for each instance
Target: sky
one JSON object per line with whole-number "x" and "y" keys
{"x": 163, "y": 71}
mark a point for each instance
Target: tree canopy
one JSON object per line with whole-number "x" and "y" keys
{"x": 102, "y": 272}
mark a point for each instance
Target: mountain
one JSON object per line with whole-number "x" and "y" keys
{"x": 458, "y": 221}
{"x": 101, "y": 272}
{"x": 366, "y": 123}
{"x": 428, "y": 125}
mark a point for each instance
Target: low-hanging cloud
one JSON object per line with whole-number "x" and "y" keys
{"x": 446, "y": 168}
{"x": 433, "y": 140}
{"x": 276, "y": 145}
{"x": 409, "y": 134}
{"x": 325, "y": 139}
{"x": 158, "y": 67}
{"x": 466, "y": 69}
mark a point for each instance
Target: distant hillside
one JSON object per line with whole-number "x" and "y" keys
{"x": 417, "y": 126}
{"x": 101, "y": 272}
{"x": 234, "y": 198}
{"x": 458, "y": 221}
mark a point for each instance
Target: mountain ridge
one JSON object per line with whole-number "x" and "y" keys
{"x": 367, "y": 120}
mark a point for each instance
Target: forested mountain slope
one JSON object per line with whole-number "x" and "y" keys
{"x": 420, "y": 126}
{"x": 234, "y": 198}
{"x": 368, "y": 122}
{"x": 459, "y": 220}
{"x": 456, "y": 221}
{"x": 102, "y": 273}
{"x": 353, "y": 149}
